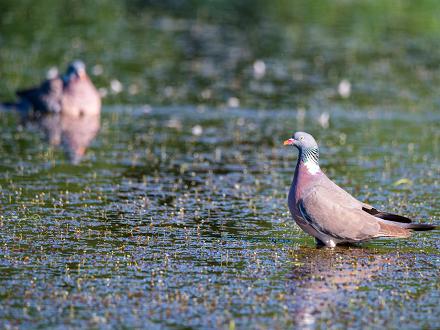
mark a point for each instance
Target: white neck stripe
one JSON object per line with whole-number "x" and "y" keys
{"x": 312, "y": 167}
{"x": 310, "y": 158}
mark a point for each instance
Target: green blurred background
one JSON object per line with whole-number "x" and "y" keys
{"x": 248, "y": 53}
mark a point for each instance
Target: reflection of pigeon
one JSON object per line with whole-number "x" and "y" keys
{"x": 322, "y": 279}
{"x": 73, "y": 94}
{"x": 330, "y": 214}
{"x": 73, "y": 133}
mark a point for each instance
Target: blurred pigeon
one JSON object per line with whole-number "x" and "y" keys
{"x": 72, "y": 93}
{"x": 66, "y": 107}
{"x": 330, "y": 214}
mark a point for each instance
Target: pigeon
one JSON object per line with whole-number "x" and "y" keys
{"x": 67, "y": 107}
{"x": 330, "y": 214}
{"x": 70, "y": 94}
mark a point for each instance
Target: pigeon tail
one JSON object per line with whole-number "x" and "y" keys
{"x": 21, "y": 106}
{"x": 386, "y": 215}
{"x": 421, "y": 226}
{"x": 8, "y": 106}
{"x": 411, "y": 226}
{"x": 398, "y": 220}
{"x": 388, "y": 229}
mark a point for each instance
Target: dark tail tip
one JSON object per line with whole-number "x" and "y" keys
{"x": 387, "y": 216}
{"x": 421, "y": 227}
{"x": 7, "y": 106}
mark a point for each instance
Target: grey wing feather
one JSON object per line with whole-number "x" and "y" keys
{"x": 341, "y": 195}
{"x": 328, "y": 213}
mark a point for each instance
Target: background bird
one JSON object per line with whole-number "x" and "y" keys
{"x": 67, "y": 108}
{"x": 330, "y": 214}
{"x": 70, "y": 94}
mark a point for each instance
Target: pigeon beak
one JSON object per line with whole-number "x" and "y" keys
{"x": 289, "y": 142}
{"x": 81, "y": 74}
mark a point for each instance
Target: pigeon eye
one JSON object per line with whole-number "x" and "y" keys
{"x": 301, "y": 138}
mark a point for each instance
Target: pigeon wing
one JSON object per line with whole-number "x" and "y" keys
{"x": 329, "y": 213}
{"x": 46, "y": 97}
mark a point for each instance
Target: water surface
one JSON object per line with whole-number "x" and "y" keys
{"x": 177, "y": 217}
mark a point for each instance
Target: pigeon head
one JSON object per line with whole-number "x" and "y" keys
{"x": 76, "y": 69}
{"x": 308, "y": 150}
{"x": 302, "y": 140}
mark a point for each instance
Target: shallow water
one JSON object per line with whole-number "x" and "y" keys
{"x": 177, "y": 217}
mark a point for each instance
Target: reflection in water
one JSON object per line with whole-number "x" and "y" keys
{"x": 323, "y": 277}
{"x": 73, "y": 133}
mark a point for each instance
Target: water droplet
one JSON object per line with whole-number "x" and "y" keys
{"x": 233, "y": 102}
{"x": 259, "y": 69}
{"x": 116, "y": 86}
{"x": 197, "y": 130}
{"x": 344, "y": 88}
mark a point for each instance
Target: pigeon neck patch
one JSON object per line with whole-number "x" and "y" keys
{"x": 310, "y": 158}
